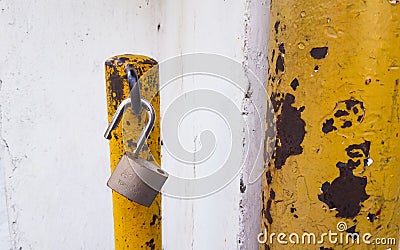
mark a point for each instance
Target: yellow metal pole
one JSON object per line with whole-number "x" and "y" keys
{"x": 334, "y": 81}
{"x": 135, "y": 226}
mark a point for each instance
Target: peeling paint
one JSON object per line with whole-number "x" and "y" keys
{"x": 346, "y": 114}
{"x": 328, "y": 126}
{"x": 294, "y": 84}
{"x": 290, "y": 131}
{"x": 280, "y": 65}
{"x": 319, "y": 52}
{"x": 346, "y": 192}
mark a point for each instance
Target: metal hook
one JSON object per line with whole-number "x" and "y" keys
{"x": 145, "y": 132}
{"x": 134, "y": 87}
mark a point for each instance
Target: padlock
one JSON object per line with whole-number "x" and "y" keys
{"x": 137, "y": 179}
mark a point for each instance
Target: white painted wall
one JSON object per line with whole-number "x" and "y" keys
{"x": 53, "y": 159}
{"x": 216, "y": 221}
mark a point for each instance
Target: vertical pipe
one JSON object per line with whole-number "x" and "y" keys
{"x": 333, "y": 79}
{"x": 135, "y": 226}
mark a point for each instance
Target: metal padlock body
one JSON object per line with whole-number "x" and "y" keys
{"x": 137, "y": 179}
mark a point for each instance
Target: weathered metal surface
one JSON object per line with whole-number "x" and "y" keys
{"x": 136, "y": 226}
{"x": 333, "y": 79}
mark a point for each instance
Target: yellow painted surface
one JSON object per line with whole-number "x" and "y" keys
{"x": 358, "y": 80}
{"x": 136, "y": 226}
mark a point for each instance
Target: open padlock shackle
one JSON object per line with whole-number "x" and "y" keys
{"x": 145, "y": 132}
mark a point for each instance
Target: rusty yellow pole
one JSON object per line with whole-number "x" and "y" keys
{"x": 135, "y": 226}
{"x": 334, "y": 81}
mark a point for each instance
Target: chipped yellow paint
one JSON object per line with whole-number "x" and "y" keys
{"x": 135, "y": 226}
{"x": 333, "y": 79}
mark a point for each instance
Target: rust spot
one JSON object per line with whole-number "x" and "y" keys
{"x": 347, "y": 113}
{"x": 275, "y": 101}
{"x": 122, "y": 60}
{"x": 276, "y": 26}
{"x": 347, "y": 124}
{"x": 269, "y": 177}
{"x": 290, "y": 131}
{"x": 346, "y": 192}
{"x": 267, "y": 213}
{"x": 294, "y": 84}
{"x": 352, "y": 230}
{"x": 371, "y": 217}
{"x": 117, "y": 87}
{"x": 319, "y": 52}
{"x": 273, "y": 55}
{"x": 272, "y": 194}
{"x": 353, "y": 150}
{"x": 328, "y": 126}
{"x": 341, "y": 113}
{"x": 352, "y": 102}
{"x": 151, "y": 244}
{"x": 282, "y": 48}
{"x": 109, "y": 62}
{"x": 154, "y": 219}
{"x": 280, "y": 65}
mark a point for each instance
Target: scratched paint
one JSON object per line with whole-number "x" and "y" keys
{"x": 335, "y": 67}
{"x": 135, "y": 226}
